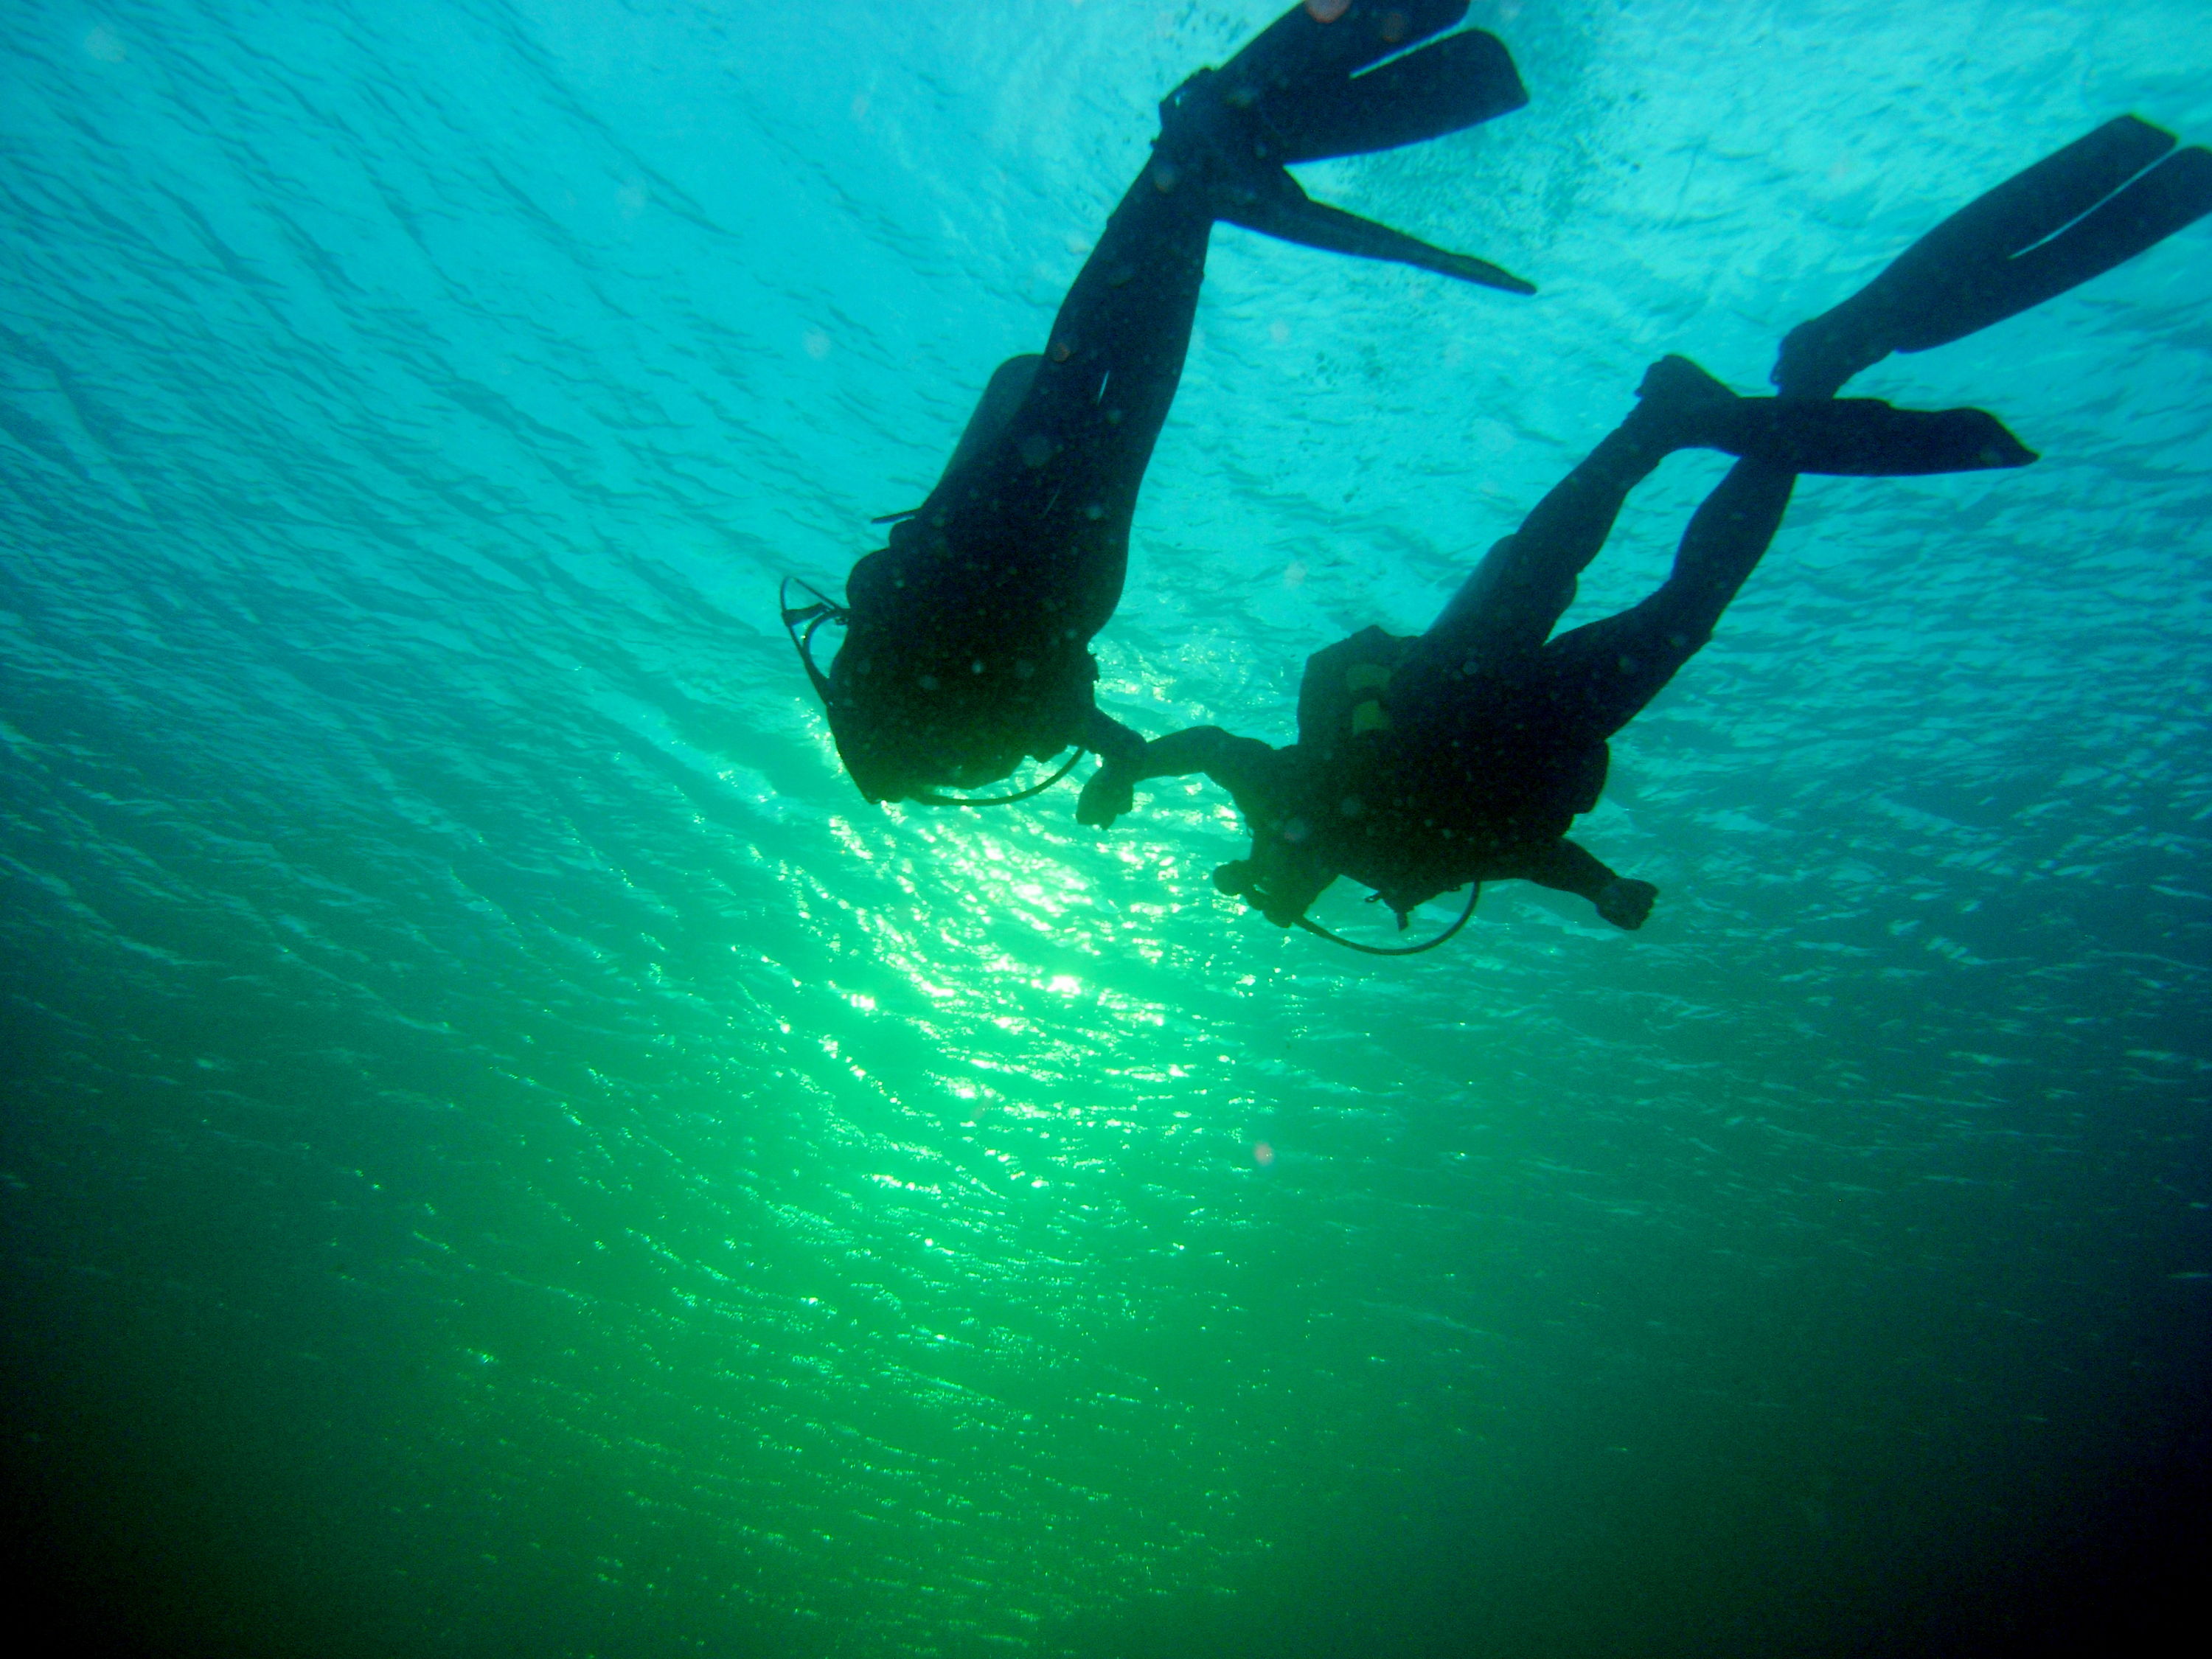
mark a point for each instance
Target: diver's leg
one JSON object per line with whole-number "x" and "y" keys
{"x": 1055, "y": 491}
{"x": 1600, "y": 677}
{"x": 1509, "y": 606}
{"x": 1505, "y": 611}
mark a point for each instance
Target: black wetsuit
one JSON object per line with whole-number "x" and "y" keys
{"x": 1470, "y": 751}
{"x": 971, "y": 633}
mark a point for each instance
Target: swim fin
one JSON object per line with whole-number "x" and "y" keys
{"x": 1279, "y": 208}
{"x": 1320, "y": 40}
{"x": 1683, "y": 407}
{"x": 1294, "y": 93}
{"x": 1866, "y": 437}
{"x": 1312, "y": 93}
{"x": 1451, "y": 84}
{"x": 2072, "y": 216}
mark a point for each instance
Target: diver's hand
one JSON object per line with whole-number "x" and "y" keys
{"x": 1282, "y": 897}
{"x": 1627, "y": 903}
{"x": 1108, "y": 794}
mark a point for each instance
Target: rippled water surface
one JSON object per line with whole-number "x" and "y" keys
{"x": 505, "y": 1153}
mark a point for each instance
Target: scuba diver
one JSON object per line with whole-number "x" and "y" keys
{"x": 968, "y": 641}
{"x": 1464, "y": 755}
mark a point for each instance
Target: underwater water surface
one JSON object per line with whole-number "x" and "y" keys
{"x": 504, "y": 1152}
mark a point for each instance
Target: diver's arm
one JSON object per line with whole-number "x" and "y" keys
{"x": 1564, "y": 866}
{"x": 1223, "y": 757}
{"x": 1114, "y": 743}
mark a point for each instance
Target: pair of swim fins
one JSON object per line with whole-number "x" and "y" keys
{"x": 2073, "y": 215}
{"x": 1328, "y": 79}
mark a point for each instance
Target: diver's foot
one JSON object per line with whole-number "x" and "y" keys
{"x": 1681, "y": 406}
{"x": 1818, "y": 357}
{"x": 1675, "y": 380}
{"x": 1210, "y": 146}
{"x": 1626, "y": 903}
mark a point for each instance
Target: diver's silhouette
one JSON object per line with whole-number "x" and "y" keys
{"x": 1463, "y": 756}
{"x": 968, "y": 641}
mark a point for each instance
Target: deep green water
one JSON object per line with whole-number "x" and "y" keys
{"x": 505, "y": 1153}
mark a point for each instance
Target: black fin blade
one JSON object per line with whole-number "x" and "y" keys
{"x": 2041, "y": 200}
{"x": 1862, "y": 438}
{"x": 2171, "y": 197}
{"x": 1452, "y": 83}
{"x": 1289, "y": 213}
{"x": 1297, "y": 48}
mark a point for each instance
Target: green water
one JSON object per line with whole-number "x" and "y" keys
{"x": 505, "y": 1153}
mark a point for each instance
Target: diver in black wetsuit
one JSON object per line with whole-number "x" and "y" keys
{"x": 968, "y": 641}
{"x": 1464, "y": 755}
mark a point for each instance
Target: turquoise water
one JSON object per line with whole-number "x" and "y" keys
{"x": 505, "y": 1153}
